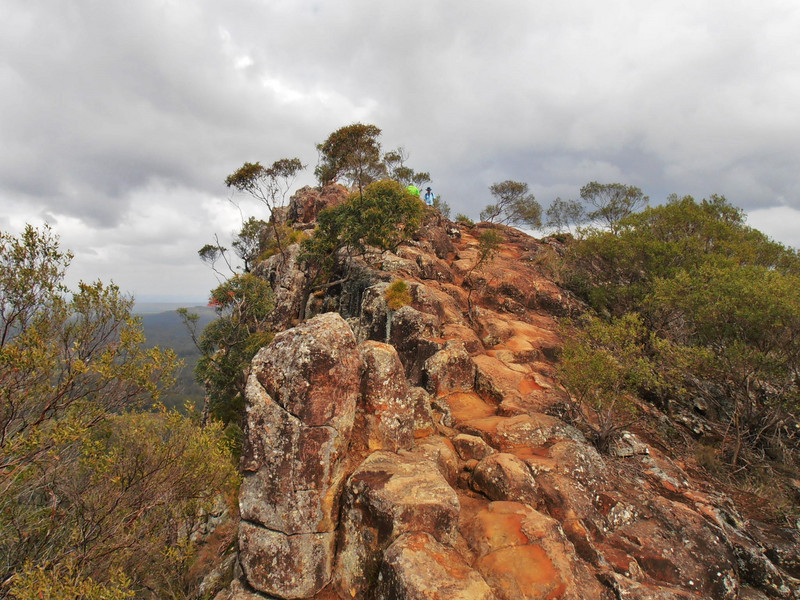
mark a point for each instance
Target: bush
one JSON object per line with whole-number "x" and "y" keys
{"x": 381, "y": 218}
{"x": 722, "y": 304}
{"x": 227, "y": 345}
{"x": 94, "y": 494}
{"x": 398, "y": 295}
{"x": 464, "y": 220}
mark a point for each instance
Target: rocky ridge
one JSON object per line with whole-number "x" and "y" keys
{"x": 417, "y": 453}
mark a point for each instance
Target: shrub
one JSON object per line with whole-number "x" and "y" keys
{"x": 381, "y": 218}
{"x": 464, "y": 220}
{"x": 398, "y": 294}
{"x": 514, "y": 205}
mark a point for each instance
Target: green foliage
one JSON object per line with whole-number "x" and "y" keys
{"x": 63, "y": 358}
{"x": 227, "y": 345}
{"x": 248, "y": 242}
{"x": 723, "y": 302}
{"x": 125, "y": 490}
{"x": 603, "y": 365}
{"x": 514, "y": 205}
{"x": 464, "y": 220}
{"x": 91, "y": 494}
{"x": 382, "y": 218}
{"x": 398, "y": 294}
{"x": 268, "y": 185}
{"x": 65, "y": 582}
{"x": 562, "y": 215}
{"x": 396, "y": 169}
{"x": 351, "y": 153}
{"x": 288, "y": 236}
{"x": 612, "y": 202}
{"x": 488, "y": 243}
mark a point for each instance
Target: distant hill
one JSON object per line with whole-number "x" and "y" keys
{"x": 166, "y": 329}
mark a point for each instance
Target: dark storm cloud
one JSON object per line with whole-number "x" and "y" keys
{"x": 114, "y": 113}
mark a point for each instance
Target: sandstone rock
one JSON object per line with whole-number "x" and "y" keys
{"x": 389, "y": 495}
{"x": 308, "y": 370}
{"x": 287, "y": 566}
{"x": 386, "y": 415}
{"x": 440, "y": 451}
{"x": 676, "y": 546}
{"x": 522, "y": 431}
{"x": 305, "y": 204}
{"x": 239, "y": 591}
{"x": 417, "y": 567}
{"x": 287, "y": 280}
{"x": 523, "y": 555}
{"x": 457, "y": 331}
{"x": 420, "y": 402}
{"x": 415, "y": 335}
{"x": 627, "y": 588}
{"x": 579, "y": 460}
{"x": 503, "y": 476}
{"x": 437, "y": 238}
{"x": 301, "y": 399}
{"x": 472, "y": 447}
{"x": 493, "y": 328}
{"x": 500, "y": 381}
{"x": 458, "y": 408}
{"x": 450, "y": 370}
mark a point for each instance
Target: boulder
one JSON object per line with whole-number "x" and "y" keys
{"x": 386, "y": 413}
{"x": 471, "y": 447}
{"x": 450, "y": 370}
{"x": 417, "y": 567}
{"x": 286, "y": 566}
{"x": 503, "y": 476}
{"x": 301, "y": 401}
{"x": 387, "y": 496}
{"x": 305, "y": 204}
{"x": 420, "y": 401}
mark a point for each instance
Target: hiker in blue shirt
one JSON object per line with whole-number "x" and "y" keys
{"x": 429, "y": 197}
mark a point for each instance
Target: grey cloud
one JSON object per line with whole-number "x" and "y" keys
{"x": 104, "y": 101}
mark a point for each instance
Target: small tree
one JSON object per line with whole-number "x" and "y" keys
{"x": 612, "y": 202}
{"x": 93, "y": 493}
{"x": 382, "y": 218}
{"x": 396, "y": 169}
{"x": 352, "y": 153}
{"x": 488, "y": 243}
{"x": 268, "y": 185}
{"x": 227, "y": 345}
{"x": 514, "y": 205}
{"x": 248, "y": 243}
{"x": 563, "y": 214}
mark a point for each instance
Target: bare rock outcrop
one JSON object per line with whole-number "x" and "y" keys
{"x": 307, "y": 202}
{"x": 301, "y": 406}
{"x": 417, "y": 567}
{"x": 419, "y": 454}
{"x": 387, "y": 496}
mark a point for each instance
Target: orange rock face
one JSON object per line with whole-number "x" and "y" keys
{"x": 427, "y": 463}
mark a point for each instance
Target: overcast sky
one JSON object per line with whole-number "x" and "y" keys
{"x": 120, "y": 120}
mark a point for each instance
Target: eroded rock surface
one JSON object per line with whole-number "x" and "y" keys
{"x": 301, "y": 408}
{"x": 420, "y": 457}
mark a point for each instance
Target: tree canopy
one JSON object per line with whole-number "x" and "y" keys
{"x": 513, "y": 205}
{"x": 720, "y": 303}
{"x": 351, "y": 153}
{"x": 93, "y": 483}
